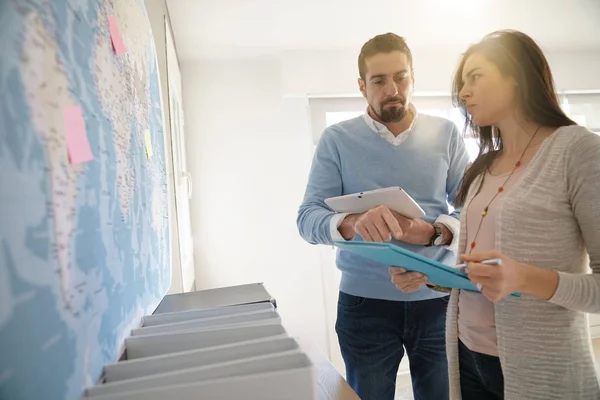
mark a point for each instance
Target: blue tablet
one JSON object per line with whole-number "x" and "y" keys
{"x": 389, "y": 254}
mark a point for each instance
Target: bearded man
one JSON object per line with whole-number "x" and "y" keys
{"x": 392, "y": 144}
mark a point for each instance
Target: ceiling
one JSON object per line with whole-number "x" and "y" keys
{"x": 250, "y": 28}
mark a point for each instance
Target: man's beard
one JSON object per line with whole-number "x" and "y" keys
{"x": 391, "y": 114}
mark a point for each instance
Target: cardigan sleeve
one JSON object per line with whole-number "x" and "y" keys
{"x": 581, "y": 292}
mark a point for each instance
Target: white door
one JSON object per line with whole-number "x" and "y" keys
{"x": 182, "y": 178}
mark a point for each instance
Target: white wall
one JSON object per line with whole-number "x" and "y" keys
{"x": 249, "y": 153}
{"x": 335, "y": 72}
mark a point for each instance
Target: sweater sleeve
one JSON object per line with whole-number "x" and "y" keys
{"x": 324, "y": 181}
{"x": 459, "y": 160}
{"x": 581, "y": 292}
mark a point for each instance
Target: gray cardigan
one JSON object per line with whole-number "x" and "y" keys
{"x": 549, "y": 218}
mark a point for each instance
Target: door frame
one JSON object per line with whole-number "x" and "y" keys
{"x": 174, "y": 89}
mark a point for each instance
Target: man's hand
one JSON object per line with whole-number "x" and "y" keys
{"x": 381, "y": 224}
{"x": 407, "y": 282}
{"x": 414, "y": 231}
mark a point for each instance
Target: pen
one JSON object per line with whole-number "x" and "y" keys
{"x": 493, "y": 261}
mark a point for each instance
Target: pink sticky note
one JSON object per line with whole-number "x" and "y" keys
{"x": 115, "y": 36}
{"x": 78, "y": 145}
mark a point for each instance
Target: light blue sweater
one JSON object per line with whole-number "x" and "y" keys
{"x": 350, "y": 158}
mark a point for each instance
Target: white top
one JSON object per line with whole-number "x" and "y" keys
{"x": 476, "y": 324}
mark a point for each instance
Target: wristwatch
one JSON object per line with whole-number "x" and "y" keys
{"x": 438, "y": 238}
{"x": 439, "y": 288}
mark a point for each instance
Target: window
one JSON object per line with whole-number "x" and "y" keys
{"x": 326, "y": 112}
{"x": 335, "y": 117}
{"x": 584, "y": 109}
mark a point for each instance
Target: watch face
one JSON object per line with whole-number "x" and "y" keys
{"x": 438, "y": 240}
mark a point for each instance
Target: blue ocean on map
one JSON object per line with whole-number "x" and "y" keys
{"x": 84, "y": 248}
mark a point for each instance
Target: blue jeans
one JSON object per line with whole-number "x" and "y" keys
{"x": 481, "y": 376}
{"x": 373, "y": 335}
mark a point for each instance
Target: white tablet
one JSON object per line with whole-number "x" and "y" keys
{"x": 393, "y": 198}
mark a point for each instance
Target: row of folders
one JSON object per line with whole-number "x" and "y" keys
{"x": 233, "y": 352}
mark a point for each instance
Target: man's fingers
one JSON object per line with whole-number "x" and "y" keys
{"x": 414, "y": 288}
{"x": 409, "y": 288}
{"x": 383, "y": 229}
{"x": 415, "y": 276}
{"x": 407, "y": 282}
{"x": 405, "y": 223}
{"x": 404, "y": 280}
{"x": 396, "y": 270}
{"x": 373, "y": 226}
{"x": 392, "y": 223}
{"x": 403, "y": 274}
{"x": 360, "y": 229}
{"x": 373, "y": 232}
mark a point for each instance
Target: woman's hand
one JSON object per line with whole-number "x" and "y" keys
{"x": 407, "y": 282}
{"x": 496, "y": 281}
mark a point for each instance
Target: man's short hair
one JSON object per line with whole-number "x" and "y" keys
{"x": 384, "y": 43}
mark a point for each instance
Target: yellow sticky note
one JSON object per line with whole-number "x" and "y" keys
{"x": 148, "y": 144}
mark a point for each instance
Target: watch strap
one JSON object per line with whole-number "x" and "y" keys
{"x": 437, "y": 232}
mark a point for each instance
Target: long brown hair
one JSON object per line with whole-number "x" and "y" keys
{"x": 516, "y": 55}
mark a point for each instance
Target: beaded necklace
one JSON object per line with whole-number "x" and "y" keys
{"x": 500, "y": 190}
{"x": 485, "y": 210}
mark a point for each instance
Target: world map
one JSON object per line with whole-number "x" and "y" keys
{"x": 84, "y": 246}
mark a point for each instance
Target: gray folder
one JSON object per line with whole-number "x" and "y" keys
{"x": 213, "y": 298}
{"x": 182, "y": 316}
{"x": 195, "y": 358}
{"x": 288, "y": 384}
{"x": 269, "y": 317}
{"x": 292, "y": 359}
{"x": 153, "y": 345}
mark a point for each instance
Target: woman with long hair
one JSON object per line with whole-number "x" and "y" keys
{"x": 531, "y": 199}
